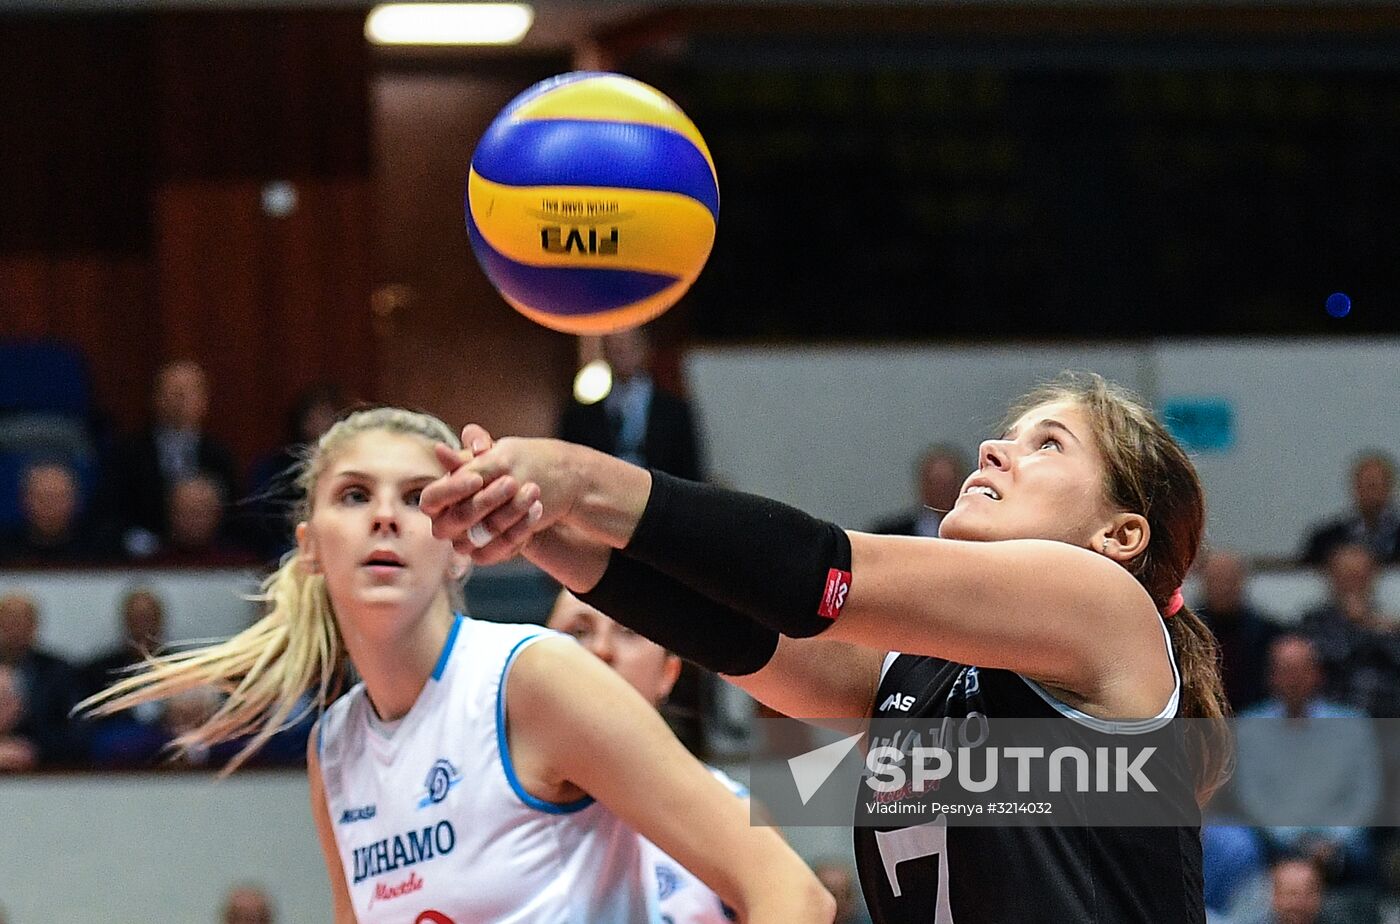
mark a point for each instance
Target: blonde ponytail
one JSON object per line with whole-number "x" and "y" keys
{"x": 266, "y": 670}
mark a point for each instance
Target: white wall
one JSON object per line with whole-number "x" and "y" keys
{"x": 79, "y": 611}
{"x": 1303, "y": 409}
{"x": 157, "y": 848}
{"x": 836, "y": 430}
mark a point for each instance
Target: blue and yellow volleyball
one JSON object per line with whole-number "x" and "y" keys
{"x": 592, "y": 203}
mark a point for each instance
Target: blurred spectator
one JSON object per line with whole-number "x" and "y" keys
{"x": 1357, "y": 644}
{"x": 130, "y": 741}
{"x": 1233, "y": 864}
{"x": 143, "y": 633}
{"x": 839, "y": 879}
{"x": 141, "y": 738}
{"x": 18, "y": 752}
{"x": 1297, "y": 892}
{"x": 174, "y": 447}
{"x": 636, "y": 421}
{"x": 1243, "y": 632}
{"x": 198, "y": 535}
{"x": 53, "y": 531}
{"x": 274, "y": 493}
{"x": 247, "y": 904}
{"x": 49, "y": 685}
{"x": 939, "y": 476}
{"x": 1295, "y": 762}
{"x": 1373, "y": 520}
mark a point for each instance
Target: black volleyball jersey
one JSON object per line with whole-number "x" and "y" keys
{"x": 938, "y": 874}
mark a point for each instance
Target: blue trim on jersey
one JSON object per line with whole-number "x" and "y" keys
{"x": 441, "y": 664}
{"x": 503, "y": 746}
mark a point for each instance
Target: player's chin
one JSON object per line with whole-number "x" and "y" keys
{"x": 968, "y": 525}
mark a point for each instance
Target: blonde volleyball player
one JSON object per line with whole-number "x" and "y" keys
{"x": 652, "y": 671}
{"x": 479, "y": 771}
{"x": 1053, "y": 592}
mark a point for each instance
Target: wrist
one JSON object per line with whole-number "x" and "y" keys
{"x": 610, "y": 496}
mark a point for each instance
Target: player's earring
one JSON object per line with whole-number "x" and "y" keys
{"x": 458, "y": 572}
{"x": 1105, "y": 545}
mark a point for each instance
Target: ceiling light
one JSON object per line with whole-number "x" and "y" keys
{"x": 448, "y": 23}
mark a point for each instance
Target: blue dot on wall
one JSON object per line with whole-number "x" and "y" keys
{"x": 1338, "y": 304}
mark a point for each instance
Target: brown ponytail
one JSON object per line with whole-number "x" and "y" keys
{"x": 1147, "y": 472}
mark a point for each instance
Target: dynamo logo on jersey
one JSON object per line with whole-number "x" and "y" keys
{"x": 667, "y": 882}
{"x": 441, "y": 778}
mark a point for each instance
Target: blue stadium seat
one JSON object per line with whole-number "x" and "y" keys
{"x": 44, "y": 375}
{"x": 45, "y": 403}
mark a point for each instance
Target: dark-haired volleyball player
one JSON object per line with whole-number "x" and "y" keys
{"x": 1055, "y": 580}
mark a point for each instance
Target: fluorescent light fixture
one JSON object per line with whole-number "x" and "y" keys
{"x": 593, "y": 382}
{"x": 448, "y": 23}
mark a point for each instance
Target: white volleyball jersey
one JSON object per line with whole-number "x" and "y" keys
{"x": 681, "y": 898}
{"x": 434, "y": 828}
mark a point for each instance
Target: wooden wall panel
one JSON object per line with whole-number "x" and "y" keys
{"x": 102, "y": 304}
{"x": 136, "y": 148}
{"x": 259, "y": 93}
{"x": 269, "y": 305}
{"x": 448, "y": 343}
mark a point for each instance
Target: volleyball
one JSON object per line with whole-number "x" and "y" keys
{"x": 592, "y": 203}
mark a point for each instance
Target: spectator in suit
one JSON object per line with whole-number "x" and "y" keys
{"x": 53, "y": 532}
{"x": 173, "y": 448}
{"x": 1373, "y": 520}
{"x": 1293, "y": 768}
{"x": 199, "y": 536}
{"x": 143, "y": 630}
{"x": 143, "y": 633}
{"x": 1357, "y": 643}
{"x": 50, "y": 686}
{"x": 637, "y": 421}
{"x": 938, "y": 478}
{"x": 1243, "y": 632}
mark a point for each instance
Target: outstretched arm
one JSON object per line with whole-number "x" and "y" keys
{"x": 1053, "y": 612}
{"x": 596, "y": 733}
{"x": 810, "y": 678}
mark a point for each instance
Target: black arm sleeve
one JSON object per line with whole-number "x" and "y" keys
{"x": 771, "y": 562}
{"x": 688, "y": 623}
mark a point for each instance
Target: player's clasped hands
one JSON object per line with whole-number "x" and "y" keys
{"x": 490, "y": 501}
